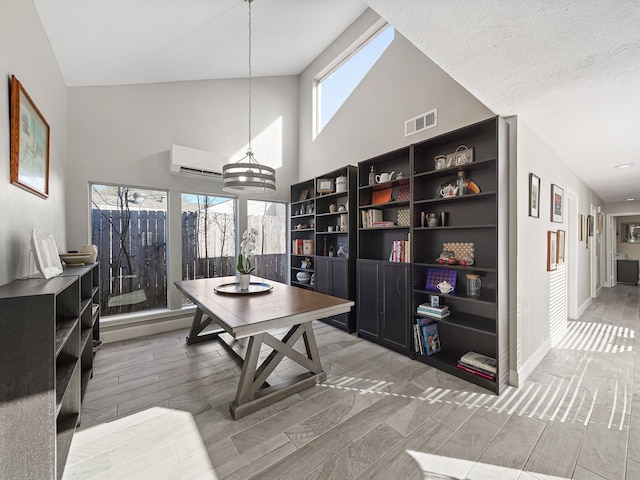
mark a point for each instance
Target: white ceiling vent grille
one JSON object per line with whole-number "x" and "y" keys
{"x": 190, "y": 161}
{"x": 421, "y": 122}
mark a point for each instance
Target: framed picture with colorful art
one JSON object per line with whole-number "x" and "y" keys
{"x": 557, "y": 203}
{"x": 29, "y": 158}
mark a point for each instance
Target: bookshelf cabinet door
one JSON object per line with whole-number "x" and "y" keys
{"x": 395, "y": 306}
{"x": 368, "y": 299}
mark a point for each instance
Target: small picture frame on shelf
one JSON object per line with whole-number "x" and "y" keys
{"x": 434, "y": 301}
{"x": 442, "y": 161}
{"x": 462, "y": 156}
{"x": 325, "y": 185}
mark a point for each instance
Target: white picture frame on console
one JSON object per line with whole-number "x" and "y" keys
{"x": 46, "y": 253}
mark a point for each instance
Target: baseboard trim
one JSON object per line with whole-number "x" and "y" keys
{"x": 116, "y": 333}
{"x": 518, "y": 377}
{"x": 583, "y": 307}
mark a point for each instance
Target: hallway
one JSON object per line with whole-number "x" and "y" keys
{"x": 158, "y": 409}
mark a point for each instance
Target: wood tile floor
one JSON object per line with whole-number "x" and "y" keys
{"x": 158, "y": 409}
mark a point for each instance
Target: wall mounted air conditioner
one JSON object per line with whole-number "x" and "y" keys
{"x": 190, "y": 161}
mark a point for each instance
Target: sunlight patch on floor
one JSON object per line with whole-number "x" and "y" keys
{"x": 155, "y": 443}
{"x": 438, "y": 467}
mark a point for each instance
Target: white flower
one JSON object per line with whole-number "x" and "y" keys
{"x": 247, "y": 247}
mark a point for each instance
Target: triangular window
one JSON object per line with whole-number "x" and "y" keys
{"x": 334, "y": 87}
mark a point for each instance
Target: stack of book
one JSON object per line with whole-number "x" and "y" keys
{"x": 426, "y": 310}
{"x": 400, "y": 251}
{"x": 383, "y": 224}
{"x": 478, "y": 364}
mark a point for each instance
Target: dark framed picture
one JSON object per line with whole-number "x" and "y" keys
{"x": 557, "y": 203}
{"x": 29, "y": 161}
{"x": 534, "y": 196}
{"x": 552, "y": 251}
{"x": 590, "y": 225}
{"x": 325, "y": 185}
{"x": 561, "y": 247}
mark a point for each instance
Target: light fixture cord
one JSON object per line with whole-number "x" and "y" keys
{"x": 250, "y": 151}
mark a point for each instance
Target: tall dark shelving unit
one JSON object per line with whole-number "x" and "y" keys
{"x": 478, "y": 324}
{"x": 333, "y": 274}
{"x": 46, "y": 358}
{"x": 383, "y": 287}
{"x": 300, "y": 216}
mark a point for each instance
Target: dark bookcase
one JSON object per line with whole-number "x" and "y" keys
{"x": 46, "y": 358}
{"x": 383, "y": 282}
{"x": 328, "y": 218}
{"x": 476, "y": 324}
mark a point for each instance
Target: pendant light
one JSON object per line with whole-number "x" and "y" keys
{"x": 247, "y": 175}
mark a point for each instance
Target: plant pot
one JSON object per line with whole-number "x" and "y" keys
{"x": 244, "y": 280}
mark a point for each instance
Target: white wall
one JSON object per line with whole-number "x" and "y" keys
{"x": 25, "y": 52}
{"x": 123, "y": 134}
{"x": 402, "y": 84}
{"x": 536, "y": 288}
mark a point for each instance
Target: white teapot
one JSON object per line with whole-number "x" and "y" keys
{"x": 384, "y": 177}
{"x": 445, "y": 287}
{"x": 449, "y": 191}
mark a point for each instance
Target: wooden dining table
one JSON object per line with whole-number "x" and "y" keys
{"x": 255, "y": 315}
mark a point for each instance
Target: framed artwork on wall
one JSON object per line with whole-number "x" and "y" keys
{"x": 552, "y": 251}
{"x": 29, "y": 160}
{"x": 561, "y": 247}
{"x": 590, "y": 225}
{"x": 557, "y": 203}
{"x": 534, "y": 196}
{"x": 580, "y": 227}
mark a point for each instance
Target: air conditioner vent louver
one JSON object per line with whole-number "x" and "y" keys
{"x": 198, "y": 171}
{"x": 192, "y": 162}
{"x": 421, "y": 122}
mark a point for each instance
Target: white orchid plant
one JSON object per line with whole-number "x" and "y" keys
{"x": 247, "y": 246}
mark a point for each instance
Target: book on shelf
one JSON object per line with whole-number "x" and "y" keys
{"x": 430, "y": 338}
{"x": 476, "y": 369}
{"x": 425, "y": 307}
{"x": 298, "y": 247}
{"x": 371, "y": 217}
{"x": 436, "y": 316}
{"x": 383, "y": 224}
{"x": 466, "y": 368}
{"x": 417, "y": 339}
{"x": 479, "y": 361}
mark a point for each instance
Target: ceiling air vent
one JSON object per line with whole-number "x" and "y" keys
{"x": 421, "y": 122}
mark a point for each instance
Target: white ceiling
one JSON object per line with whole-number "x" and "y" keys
{"x": 570, "y": 69}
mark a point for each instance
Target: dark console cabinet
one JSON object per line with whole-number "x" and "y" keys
{"x": 628, "y": 271}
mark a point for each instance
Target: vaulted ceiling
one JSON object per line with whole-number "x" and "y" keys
{"x": 569, "y": 69}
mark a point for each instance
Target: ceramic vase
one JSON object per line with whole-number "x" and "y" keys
{"x": 244, "y": 280}
{"x": 92, "y": 250}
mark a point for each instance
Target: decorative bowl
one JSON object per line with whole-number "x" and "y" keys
{"x": 303, "y": 277}
{"x": 72, "y": 259}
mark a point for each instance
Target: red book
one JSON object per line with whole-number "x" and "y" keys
{"x": 475, "y": 372}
